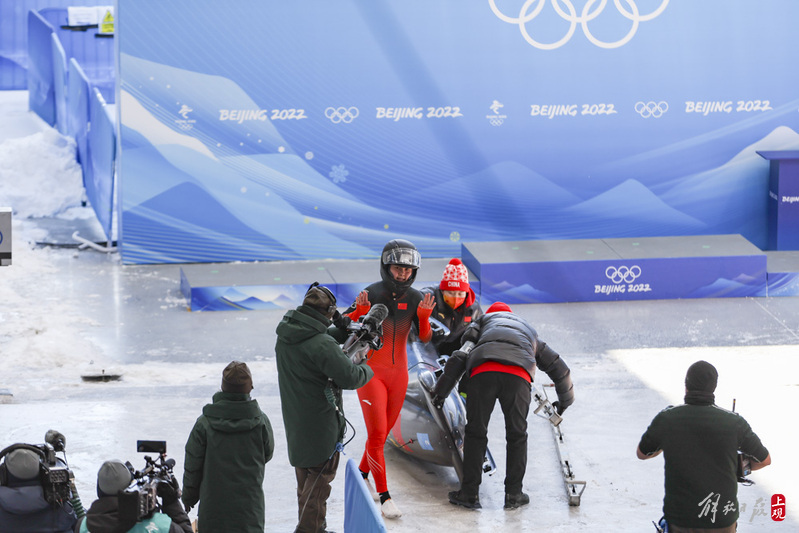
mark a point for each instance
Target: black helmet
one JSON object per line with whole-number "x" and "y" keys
{"x": 403, "y": 253}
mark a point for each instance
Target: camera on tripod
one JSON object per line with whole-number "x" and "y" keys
{"x": 139, "y": 501}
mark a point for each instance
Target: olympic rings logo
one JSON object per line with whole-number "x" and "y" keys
{"x": 341, "y": 114}
{"x": 651, "y": 109}
{"x": 623, "y": 273}
{"x": 526, "y": 15}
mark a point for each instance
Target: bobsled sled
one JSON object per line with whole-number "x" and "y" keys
{"x": 422, "y": 430}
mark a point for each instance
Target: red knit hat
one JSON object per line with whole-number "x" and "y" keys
{"x": 456, "y": 277}
{"x": 499, "y": 306}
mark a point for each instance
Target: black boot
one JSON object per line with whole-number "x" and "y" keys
{"x": 457, "y": 497}
{"x": 514, "y": 501}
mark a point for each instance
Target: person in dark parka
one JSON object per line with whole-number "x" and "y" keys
{"x": 104, "y": 515}
{"x": 501, "y": 367}
{"x": 312, "y": 370}
{"x": 226, "y": 455}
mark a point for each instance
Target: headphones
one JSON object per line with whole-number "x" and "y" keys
{"x": 332, "y": 307}
{"x": 4, "y": 469}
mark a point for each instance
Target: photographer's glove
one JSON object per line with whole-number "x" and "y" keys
{"x": 559, "y": 407}
{"x": 341, "y": 321}
{"x": 169, "y": 492}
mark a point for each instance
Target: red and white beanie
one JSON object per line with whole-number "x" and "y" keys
{"x": 456, "y": 277}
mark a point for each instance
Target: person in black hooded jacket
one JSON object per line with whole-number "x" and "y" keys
{"x": 501, "y": 366}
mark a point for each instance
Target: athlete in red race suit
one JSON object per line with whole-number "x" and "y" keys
{"x": 382, "y": 397}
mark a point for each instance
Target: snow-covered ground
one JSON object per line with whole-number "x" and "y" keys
{"x": 68, "y": 312}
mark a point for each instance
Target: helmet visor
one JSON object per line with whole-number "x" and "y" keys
{"x": 402, "y": 256}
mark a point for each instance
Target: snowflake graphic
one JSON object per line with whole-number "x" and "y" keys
{"x": 339, "y": 174}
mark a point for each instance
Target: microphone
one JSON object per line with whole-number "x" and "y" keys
{"x": 375, "y": 317}
{"x": 55, "y": 439}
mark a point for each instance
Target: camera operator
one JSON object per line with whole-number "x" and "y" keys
{"x": 308, "y": 357}
{"x": 104, "y": 515}
{"x": 24, "y": 505}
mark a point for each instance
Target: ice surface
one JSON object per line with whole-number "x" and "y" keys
{"x": 66, "y": 312}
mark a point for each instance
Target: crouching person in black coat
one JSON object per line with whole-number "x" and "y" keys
{"x": 104, "y": 515}
{"x": 501, "y": 366}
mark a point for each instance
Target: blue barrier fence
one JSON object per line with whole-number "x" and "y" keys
{"x": 14, "y": 36}
{"x": 71, "y": 86}
{"x": 360, "y": 512}
{"x": 95, "y": 56}
{"x": 101, "y": 143}
{"x": 41, "y": 94}
{"x": 60, "y": 70}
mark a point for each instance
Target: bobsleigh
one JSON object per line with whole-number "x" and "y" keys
{"x": 423, "y": 431}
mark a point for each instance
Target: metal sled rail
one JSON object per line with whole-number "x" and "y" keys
{"x": 574, "y": 488}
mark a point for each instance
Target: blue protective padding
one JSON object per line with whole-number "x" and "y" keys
{"x": 14, "y": 36}
{"x": 617, "y": 269}
{"x": 78, "y": 90}
{"x": 41, "y": 94}
{"x": 360, "y": 512}
{"x": 59, "y": 83}
{"x": 101, "y": 146}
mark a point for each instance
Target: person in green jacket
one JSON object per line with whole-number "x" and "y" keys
{"x": 312, "y": 370}
{"x": 226, "y": 454}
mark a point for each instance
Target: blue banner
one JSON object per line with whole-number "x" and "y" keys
{"x": 310, "y": 129}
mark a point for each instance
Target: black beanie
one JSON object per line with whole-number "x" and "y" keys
{"x": 701, "y": 377}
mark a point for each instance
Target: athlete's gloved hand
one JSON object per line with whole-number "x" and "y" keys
{"x": 425, "y": 308}
{"x": 472, "y": 334}
{"x": 362, "y": 305}
{"x": 459, "y": 354}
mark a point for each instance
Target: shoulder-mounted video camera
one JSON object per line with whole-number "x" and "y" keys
{"x": 54, "y": 476}
{"x": 365, "y": 334}
{"x": 139, "y": 501}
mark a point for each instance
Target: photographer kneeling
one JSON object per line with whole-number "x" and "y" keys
{"x": 25, "y": 505}
{"x": 105, "y": 515}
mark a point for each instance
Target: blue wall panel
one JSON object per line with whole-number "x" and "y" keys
{"x": 322, "y": 129}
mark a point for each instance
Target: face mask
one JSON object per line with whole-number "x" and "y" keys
{"x": 453, "y": 301}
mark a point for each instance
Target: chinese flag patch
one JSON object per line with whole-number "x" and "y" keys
{"x": 402, "y": 306}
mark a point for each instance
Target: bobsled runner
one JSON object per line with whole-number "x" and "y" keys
{"x": 423, "y": 431}
{"x": 545, "y": 409}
